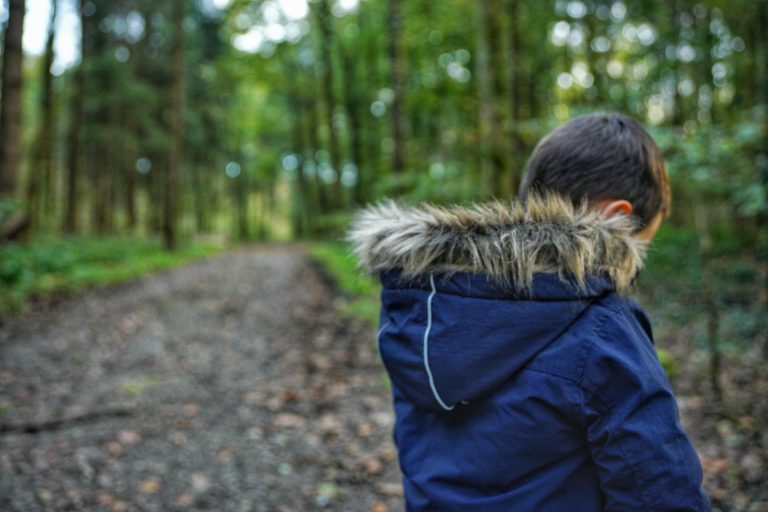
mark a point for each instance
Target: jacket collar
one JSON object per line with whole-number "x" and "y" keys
{"x": 509, "y": 241}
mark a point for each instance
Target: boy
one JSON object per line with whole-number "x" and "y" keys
{"x": 523, "y": 379}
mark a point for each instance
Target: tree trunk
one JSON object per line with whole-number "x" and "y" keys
{"x": 99, "y": 128}
{"x": 352, "y": 106}
{"x": 302, "y": 208}
{"x": 678, "y": 114}
{"x": 371, "y": 71}
{"x": 11, "y": 100}
{"x": 314, "y": 146}
{"x": 41, "y": 193}
{"x": 762, "y": 86}
{"x": 397, "y": 81}
{"x": 709, "y": 296}
{"x": 516, "y": 77}
{"x": 127, "y": 163}
{"x": 240, "y": 187}
{"x": 325, "y": 20}
{"x": 173, "y": 175}
{"x": 75, "y": 124}
{"x": 491, "y": 93}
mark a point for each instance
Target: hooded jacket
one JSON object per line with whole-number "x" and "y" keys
{"x": 523, "y": 379}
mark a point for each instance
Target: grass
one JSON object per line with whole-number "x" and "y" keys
{"x": 361, "y": 293}
{"x": 50, "y": 265}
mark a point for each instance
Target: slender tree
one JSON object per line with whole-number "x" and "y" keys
{"x": 352, "y": 107}
{"x": 41, "y": 193}
{"x": 397, "y": 81}
{"x": 11, "y": 100}
{"x": 327, "y": 46}
{"x": 75, "y": 125}
{"x": 172, "y": 190}
{"x": 762, "y": 77}
{"x": 491, "y": 95}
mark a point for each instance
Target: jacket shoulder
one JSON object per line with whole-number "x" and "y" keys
{"x": 622, "y": 354}
{"x": 570, "y": 354}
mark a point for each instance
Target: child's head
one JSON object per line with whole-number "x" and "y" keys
{"x": 602, "y": 158}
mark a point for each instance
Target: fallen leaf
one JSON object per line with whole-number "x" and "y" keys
{"x": 107, "y": 500}
{"x": 365, "y": 430}
{"x": 254, "y": 397}
{"x": 372, "y": 465}
{"x": 120, "y": 506}
{"x": 713, "y": 465}
{"x": 379, "y": 506}
{"x": 224, "y": 455}
{"x": 185, "y": 499}
{"x": 129, "y": 437}
{"x": 149, "y": 486}
{"x": 289, "y": 420}
{"x": 329, "y": 423}
{"x": 390, "y": 489}
{"x": 289, "y": 395}
{"x": 388, "y": 454}
{"x": 178, "y": 438}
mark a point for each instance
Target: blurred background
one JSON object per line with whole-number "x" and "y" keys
{"x": 138, "y": 135}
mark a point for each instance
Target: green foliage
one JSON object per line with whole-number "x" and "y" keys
{"x": 62, "y": 264}
{"x": 672, "y": 289}
{"x": 331, "y": 226}
{"x": 717, "y": 163}
{"x": 672, "y": 257}
{"x": 8, "y": 207}
{"x": 667, "y": 362}
{"x": 361, "y": 291}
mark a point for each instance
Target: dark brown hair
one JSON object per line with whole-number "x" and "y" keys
{"x": 601, "y": 156}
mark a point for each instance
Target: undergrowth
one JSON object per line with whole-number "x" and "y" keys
{"x": 50, "y": 265}
{"x": 360, "y": 293}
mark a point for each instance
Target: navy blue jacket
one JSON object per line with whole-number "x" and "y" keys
{"x": 511, "y": 403}
{"x": 523, "y": 379}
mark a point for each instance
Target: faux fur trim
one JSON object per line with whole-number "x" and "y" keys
{"x": 510, "y": 242}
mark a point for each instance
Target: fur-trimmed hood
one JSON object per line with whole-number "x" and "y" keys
{"x": 507, "y": 241}
{"x": 548, "y": 397}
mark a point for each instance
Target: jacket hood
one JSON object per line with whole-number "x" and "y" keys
{"x": 510, "y": 242}
{"x": 472, "y": 294}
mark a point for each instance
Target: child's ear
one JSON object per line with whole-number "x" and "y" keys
{"x": 611, "y": 207}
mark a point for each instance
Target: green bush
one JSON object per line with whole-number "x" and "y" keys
{"x": 70, "y": 264}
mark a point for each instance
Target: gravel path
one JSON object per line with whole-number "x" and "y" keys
{"x": 229, "y": 385}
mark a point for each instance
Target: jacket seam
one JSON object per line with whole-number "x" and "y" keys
{"x": 596, "y": 330}
{"x": 572, "y": 380}
{"x": 599, "y": 331}
{"x": 506, "y": 298}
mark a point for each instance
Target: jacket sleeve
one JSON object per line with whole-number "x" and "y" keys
{"x": 643, "y": 457}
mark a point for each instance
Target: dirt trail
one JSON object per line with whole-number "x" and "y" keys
{"x": 227, "y": 385}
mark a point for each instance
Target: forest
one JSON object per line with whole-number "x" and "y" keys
{"x": 138, "y": 135}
